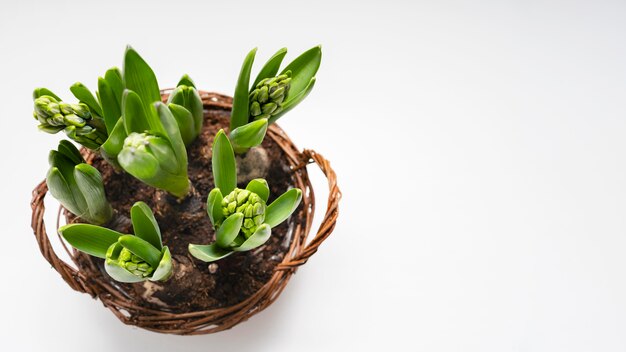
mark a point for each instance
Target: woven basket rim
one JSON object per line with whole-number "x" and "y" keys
{"x": 214, "y": 320}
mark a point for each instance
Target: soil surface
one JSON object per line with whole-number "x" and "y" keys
{"x": 196, "y": 285}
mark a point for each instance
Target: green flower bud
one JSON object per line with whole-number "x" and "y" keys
{"x": 267, "y": 98}
{"x": 51, "y": 112}
{"x": 132, "y": 263}
{"x": 75, "y": 119}
{"x": 247, "y": 203}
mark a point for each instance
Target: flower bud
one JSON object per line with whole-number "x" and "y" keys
{"x": 268, "y": 96}
{"x": 247, "y": 203}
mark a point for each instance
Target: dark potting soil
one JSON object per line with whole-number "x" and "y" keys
{"x": 196, "y": 285}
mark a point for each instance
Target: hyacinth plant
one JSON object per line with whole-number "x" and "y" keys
{"x": 128, "y": 258}
{"x": 77, "y": 185}
{"x": 270, "y": 96}
{"x": 127, "y": 123}
{"x": 242, "y": 219}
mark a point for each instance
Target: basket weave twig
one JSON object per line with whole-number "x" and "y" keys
{"x": 207, "y": 321}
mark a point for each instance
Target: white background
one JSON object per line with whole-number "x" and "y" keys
{"x": 479, "y": 146}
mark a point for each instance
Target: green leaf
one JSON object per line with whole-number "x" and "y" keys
{"x": 89, "y": 182}
{"x": 259, "y": 237}
{"x": 91, "y": 239}
{"x": 142, "y": 249}
{"x": 249, "y": 135}
{"x": 140, "y": 164}
{"x": 170, "y": 130}
{"x": 224, "y": 166}
{"x": 69, "y": 150}
{"x": 139, "y": 77}
{"x": 60, "y": 190}
{"x": 240, "y": 114}
{"x": 282, "y": 207}
{"x": 111, "y": 108}
{"x": 38, "y": 92}
{"x": 186, "y": 81}
{"x": 121, "y": 274}
{"x": 185, "y": 122}
{"x": 294, "y": 100}
{"x": 135, "y": 116}
{"x": 303, "y": 68}
{"x": 229, "y": 229}
{"x": 84, "y": 95}
{"x": 114, "y": 79}
{"x": 271, "y": 67}
{"x": 111, "y": 148}
{"x": 214, "y": 206}
{"x": 260, "y": 187}
{"x": 145, "y": 225}
{"x": 208, "y": 253}
{"x": 164, "y": 270}
{"x": 66, "y": 168}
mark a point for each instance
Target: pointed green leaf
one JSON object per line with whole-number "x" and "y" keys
{"x": 114, "y": 144}
{"x": 214, "y": 206}
{"x": 260, "y": 187}
{"x": 259, "y": 237}
{"x": 91, "y": 239}
{"x": 145, "y": 225}
{"x": 271, "y": 67}
{"x": 249, "y": 135}
{"x": 111, "y": 108}
{"x": 66, "y": 168}
{"x": 60, "y": 190}
{"x": 142, "y": 249}
{"x": 282, "y": 207}
{"x": 114, "y": 79}
{"x": 224, "y": 166}
{"x": 185, "y": 122}
{"x": 239, "y": 115}
{"x": 135, "y": 117}
{"x": 164, "y": 270}
{"x": 293, "y": 101}
{"x": 229, "y": 230}
{"x": 84, "y": 95}
{"x": 139, "y": 77}
{"x": 89, "y": 182}
{"x": 38, "y": 92}
{"x": 170, "y": 129}
{"x": 208, "y": 253}
{"x": 303, "y": 68}
{"x": 186, "y": 81}
{"x": 69, "y": 150}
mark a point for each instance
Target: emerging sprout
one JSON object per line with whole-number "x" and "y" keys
{"x": 76, "y": 185}
{"x": 186, "y": 106}
{"x": 128, "y": 258}
{"x": 270, "y": 96}
{"x": 242, "y": 218}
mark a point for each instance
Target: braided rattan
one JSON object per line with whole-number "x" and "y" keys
{"x": 207, "y": 321}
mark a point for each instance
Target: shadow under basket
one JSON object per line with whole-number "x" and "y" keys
{"x": 218, "y": 319}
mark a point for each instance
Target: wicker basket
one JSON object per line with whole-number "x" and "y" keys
{"x": 207, "y": 321}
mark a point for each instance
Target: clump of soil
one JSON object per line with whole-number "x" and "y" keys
{"x": 196, "y": 285}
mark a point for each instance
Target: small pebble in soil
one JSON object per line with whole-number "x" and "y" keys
{"x": 213, "y": 268}
{"x": 277, "y": 258}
